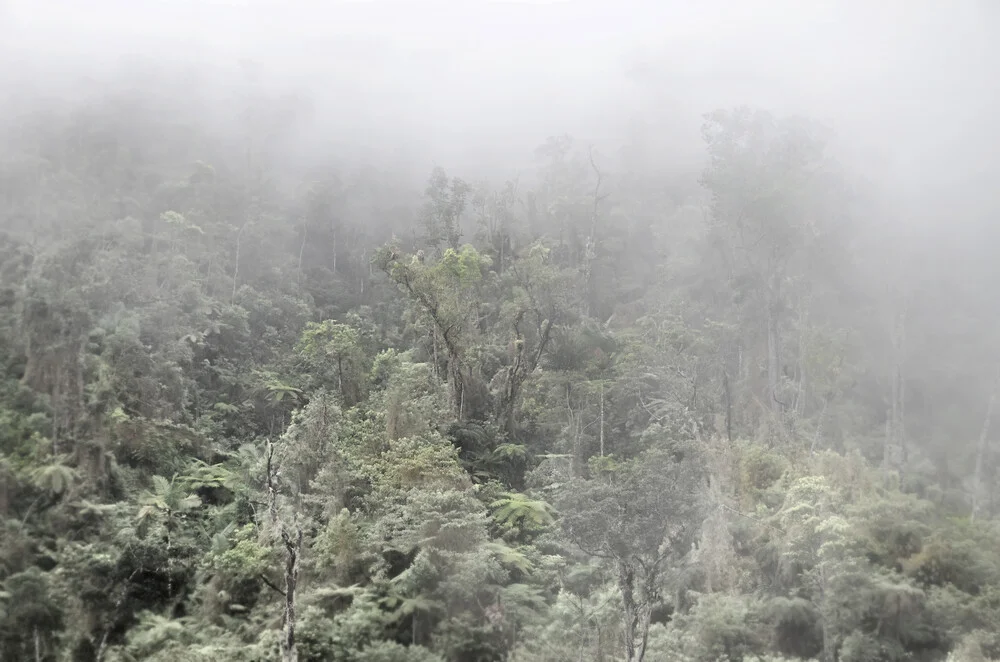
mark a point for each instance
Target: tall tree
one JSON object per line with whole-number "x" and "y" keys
{"x": 642, "y": 519}
{"x": 771, "y": 203}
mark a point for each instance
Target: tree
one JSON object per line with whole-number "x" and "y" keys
{"x": 340, "y": 343}
{"x": 820, "y": 544}
{"x": 168, "y": 499}
{"x": 290, "y": 537}
{"x": 772, "y": 202}
{"x": 538, "y": 299}
{"x": 363, "y": 473}
{"x": 643, "y": 519}
{"x": 446, "y": 200}
{"x": 448, "y": 290}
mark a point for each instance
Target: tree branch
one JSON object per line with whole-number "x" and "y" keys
{"x": 269, "y": 584}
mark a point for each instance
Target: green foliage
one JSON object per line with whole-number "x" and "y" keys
{"x": 650, "y": 509}
{"x": 390, "y": 651}
{"x": 613, "y": 425}
{"x": 446, "y": 200}
{"x": 517, "y": 511}
{"x": 167, "y": 499}
{"x": 334, "y": 348}
{"x": 55, "y": 478}
{"x": 30, "y": 607}
{"x": 243, "y": 556}
{"x": 721, "y": 627}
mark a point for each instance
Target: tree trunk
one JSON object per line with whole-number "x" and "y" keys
{"x": 981, "y": 448}
{"x": 340, "y": 379}
{"x": 302, "y": 248}
{"x": 56, "y": 412}
{"x": 591, "y": 248}
{"x": 818, "y": 435}
{"x": 457, "y": 386}
{"x": 289, "y": 651}
{"x": 521, "y": 368}
{"x": 576, "y": 429}
{"x": 293, "y": 547}
{"x": 602, "y": 419}
{"x": 887, "y": 448}
{"x": 434, "y": 345}
{"x": 799, "y": 405}
{"x": 335, "y": 247}
{"x": 727, "y": 393}
{"x": 773, "y": 344}
{"x": 895, "y": 455}
{"x": 236, "y": 268}
{"x": 636, "y": 612}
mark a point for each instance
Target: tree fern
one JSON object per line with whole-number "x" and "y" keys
{"x": 168, "y": 497}
{"x": 510, "y": 556}
{"x": 517, "y": 510}
{"x": 54, "y": 478}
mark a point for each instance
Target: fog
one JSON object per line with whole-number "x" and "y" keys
{"x": 476, "y": 85}
{"x": 683, "y": 382}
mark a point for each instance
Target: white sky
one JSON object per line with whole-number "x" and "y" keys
{"x": 906, "y": 81}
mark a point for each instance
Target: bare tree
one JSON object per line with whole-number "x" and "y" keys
{"x": 291, "y": 540}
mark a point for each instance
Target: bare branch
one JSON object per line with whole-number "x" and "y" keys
{"x": 269, "y": 584}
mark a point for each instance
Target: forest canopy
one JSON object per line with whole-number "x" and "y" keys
{"x": 258, "y": 406}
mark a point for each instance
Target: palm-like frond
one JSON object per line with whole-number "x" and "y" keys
{"x": 202, "y": 474}
{"x": 519, "y": 510}
{"x": 511, "y": 451}
{"x": 54, "y": 478}
{"x": 407, "y": 606}
{"x": 277, "y": 392}
{"x": 338, "y": 591}
{"x": 166, "y": 497}
{"x": 523, "y": 598}
{"x": 511, "y": 557}
{"x": 88, "y": 508}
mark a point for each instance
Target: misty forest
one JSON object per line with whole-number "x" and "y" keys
{"x": 701, "y": 377}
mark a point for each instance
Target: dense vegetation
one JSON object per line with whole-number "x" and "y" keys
{"x": 599, "y": 413}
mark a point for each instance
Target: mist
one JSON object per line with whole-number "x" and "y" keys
{"x": 475, "y": 86}
{"x": 479, "y": 331}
